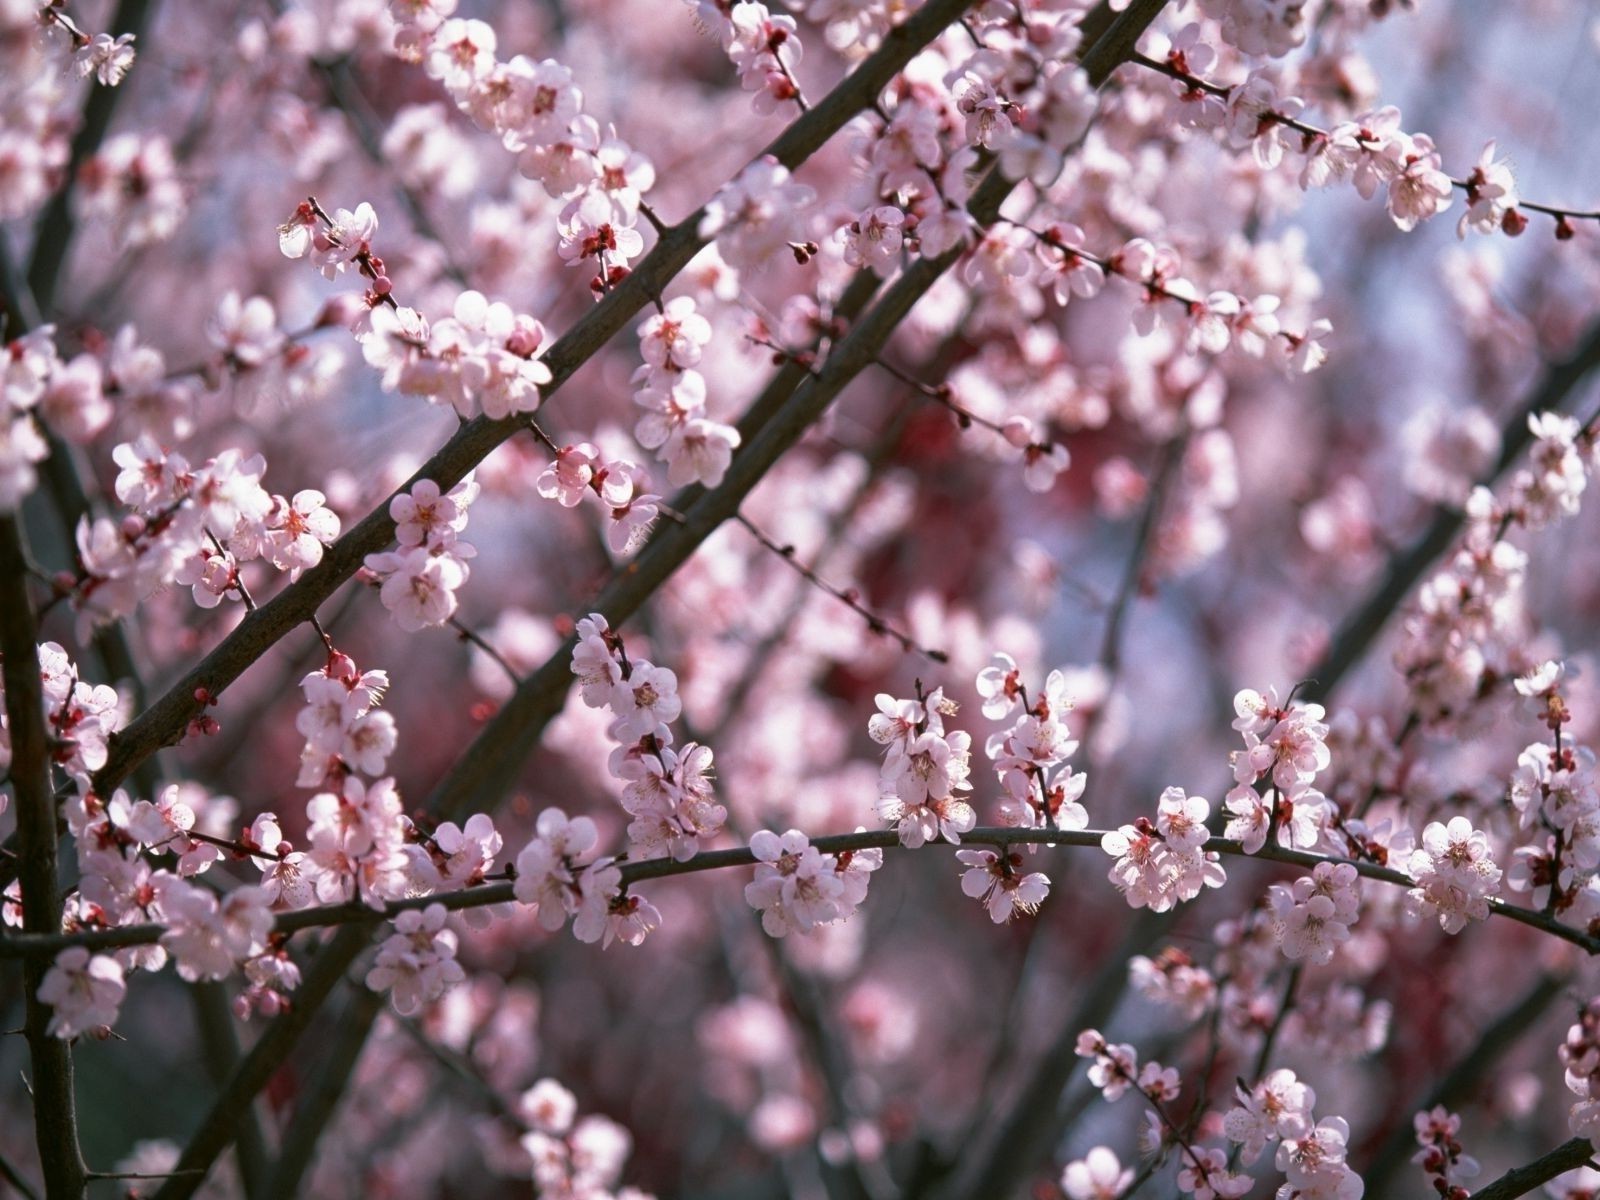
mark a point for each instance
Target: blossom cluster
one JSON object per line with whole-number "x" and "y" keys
{"x": 1030, "y": 758}
{"x": 1311, "y": 1153}
{"x": 1455, "y": 872}
{"x": 1370, "y": 150}
{"x": 1554, "y": 792}
{"x": 574, "y": 1158}
{"x": 672, "y": 393}
{"x": 561, "y": 873}
{"x": 1163, "y": 864}
{"x": 666, "y": 791}
{"x": 483, "y": 359}
{"x": 1115, "y": 1070}
{"x": 622, "y": 487}
{"x": 797, "y": 888}
{"x": 923, "y": 769}
{"x": 1312, "y": 916}
{"x": 763, "y": 46}
{"x": 1285, "y": 749}
{"x": 536, "y": 109}
{"x": 1580, "y": 1057}
{"x": 192, "y": 525}
{"x": 417, "y": 962}
{"x": 345, "y": 730}
{"x": 421, "y": 578}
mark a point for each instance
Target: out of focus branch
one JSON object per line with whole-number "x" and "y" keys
{"x": 55, "y": 226}
{"x": 1361, "y": 628}
{"x": 1470, "y": 1070}
{"x": 313, "y": 1111}
{"x": 219, "y": 1126}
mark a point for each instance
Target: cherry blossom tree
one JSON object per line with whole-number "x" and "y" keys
{"x": 854, "y": 600}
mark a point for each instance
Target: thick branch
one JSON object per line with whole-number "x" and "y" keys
{"x": 218, "y": 1128}
{"x": 163, "y": 722}
{"x": 55, "y": 1119}
{"x": 1522, "y": 1180}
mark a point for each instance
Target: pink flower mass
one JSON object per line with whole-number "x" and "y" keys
{"x": 846, "y": 599}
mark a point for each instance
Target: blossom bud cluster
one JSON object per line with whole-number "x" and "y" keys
{"x": 483, "y": 358}
{"x": 360, "y": 846}
{"x": 1442, "y": 1158}
{"x": 666, "y": 791}
{"x": 1161, "y": 865}
{"x": 1030, "y": 758}
{"x": 175, "y": 508}
{"x": 797, "y": 888}
{"x": 1285, "y": 749}
{"x": 421, "y": 578}
{"x": 672, "y": 393}
{"x": 923, "y": 769}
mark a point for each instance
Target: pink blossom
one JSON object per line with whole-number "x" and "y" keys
{"x": 83, "y": 991}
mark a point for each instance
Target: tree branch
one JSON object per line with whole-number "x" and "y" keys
{"x": 164, "y": 721}
{"x": 55, "y": 1117}
{"x": 54, "y": 229}
{"x": 1522, "y": 1180}
{"x": 1361, "y": 628}
{"x": 219, "y": 1126}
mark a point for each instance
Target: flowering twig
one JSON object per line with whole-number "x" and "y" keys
{"x": 1314, "y": 134}
{"x": 56, "y": 224}
{"x": 1355, "y": 634}
{"x": 1471, "y": 1068}
{"x": 163, "y": 722}
{"x": 34, "y": 945}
